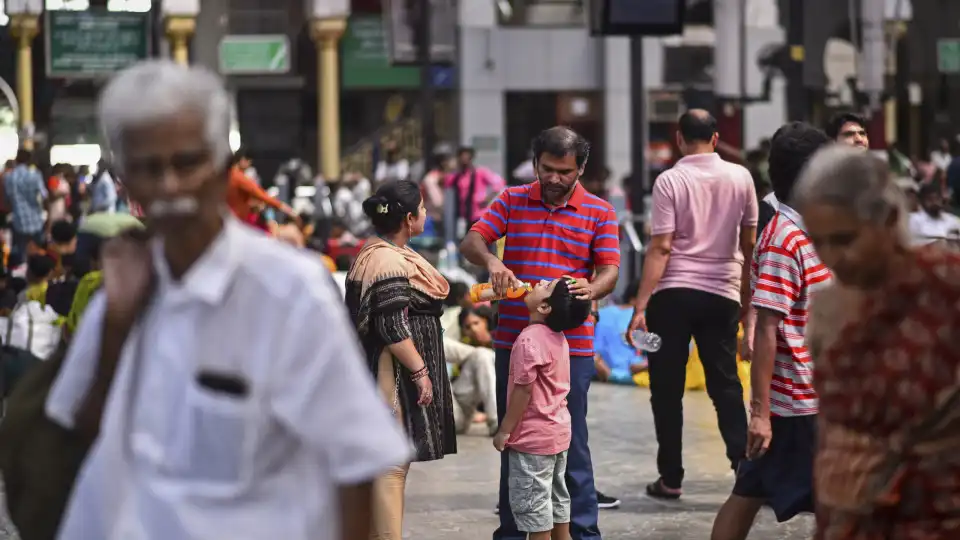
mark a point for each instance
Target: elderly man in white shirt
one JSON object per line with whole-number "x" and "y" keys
{"x": 217, "y": 370}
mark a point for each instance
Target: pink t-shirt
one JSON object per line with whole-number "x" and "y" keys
{"x": 541, "y": 358}
{"x": 704, "y": 201}
{"x": 488, "y": 185}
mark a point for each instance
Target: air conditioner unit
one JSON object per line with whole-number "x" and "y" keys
{"x": 664, "y": 106}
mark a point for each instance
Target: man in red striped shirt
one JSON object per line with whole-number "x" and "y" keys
{"x": 785, "y": 272}
{"x": 553, "y": 228}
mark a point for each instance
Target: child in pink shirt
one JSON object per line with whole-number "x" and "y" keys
{"x": 536, "y": 427}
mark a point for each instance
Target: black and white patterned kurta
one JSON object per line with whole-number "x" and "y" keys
{"x": 391, "y": 312}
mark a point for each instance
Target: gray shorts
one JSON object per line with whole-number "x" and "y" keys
{"x": 538, "y": 492}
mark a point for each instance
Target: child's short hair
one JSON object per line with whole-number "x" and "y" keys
{"x": 40, "y": 266}
{"x": 566, "y": 311}
{"x": 62, "y": 231}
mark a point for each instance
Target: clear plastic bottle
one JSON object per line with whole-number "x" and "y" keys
{"x": 647, "y": 341}
{"x": 483, "y": 292}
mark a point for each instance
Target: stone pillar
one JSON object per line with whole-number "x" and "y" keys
{"x": 24, "y": 28}
{"x": 326, "y": 33}
{"x": 180, "y": 22}
{"x": 179, "y": 30}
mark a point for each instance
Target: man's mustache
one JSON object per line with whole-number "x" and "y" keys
{"x": 176, "y": 207}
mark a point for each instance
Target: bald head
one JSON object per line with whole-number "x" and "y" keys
{"x": 697, "y": 126}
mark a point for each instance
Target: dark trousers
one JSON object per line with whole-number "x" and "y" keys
{"x": 20, "y": 241}
{"x": 583, "y": 494}
{"x": 712, "y": 321}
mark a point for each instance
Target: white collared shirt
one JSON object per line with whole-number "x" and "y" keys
{"x": 177, "y": 459}
{"x": 926, "y": 229}
{"x": 771, "y": 199}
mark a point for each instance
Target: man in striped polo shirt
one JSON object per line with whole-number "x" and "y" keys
{"x": 553, "y": 228}
{"x": 785, "y": 272}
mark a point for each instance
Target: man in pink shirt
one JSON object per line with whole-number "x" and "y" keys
{"x": 535, "y": 430}
{"x": 695, "y": 284}
{"x": 474, "y": 188}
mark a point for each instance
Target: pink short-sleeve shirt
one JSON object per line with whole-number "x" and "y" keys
{"x": 705, "y": 202}
{"x": 541, "y": 359}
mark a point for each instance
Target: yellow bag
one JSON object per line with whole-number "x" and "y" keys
{"x": 696, "y": 380}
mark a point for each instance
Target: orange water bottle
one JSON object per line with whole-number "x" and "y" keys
{"x": 483, "y": 292}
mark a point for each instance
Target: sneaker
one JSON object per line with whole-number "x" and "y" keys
{"x": 606, "y": 502}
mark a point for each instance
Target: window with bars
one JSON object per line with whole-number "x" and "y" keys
{"x": 544, "y": 13}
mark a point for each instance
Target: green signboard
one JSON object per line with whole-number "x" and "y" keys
{"x": 365, "y": 57}
{"x": 94, "y": 43}
{"x": 254, "y": 54}
{"x": 948, "y": 56}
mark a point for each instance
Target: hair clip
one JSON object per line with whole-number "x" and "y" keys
{"x": 382, "y": 209}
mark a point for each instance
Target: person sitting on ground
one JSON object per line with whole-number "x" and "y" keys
{"x": 476, "y": 326}
{"x": 932, "y": 223}
{"x": 39, "y": 270}
{"x": 472, "y": 360}
{"x": 456, "y": 302}
{"x": 617, "y": 362}
{"x": 63, "y": 245}
{"x": 536, "y": 427}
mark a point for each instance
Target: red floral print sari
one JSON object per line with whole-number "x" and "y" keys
{"x": 888, "y": 463}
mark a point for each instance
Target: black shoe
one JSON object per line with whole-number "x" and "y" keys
{"x": 658, "y": 490}
{"x": 605, "y": 502}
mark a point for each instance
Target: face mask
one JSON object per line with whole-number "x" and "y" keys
{"x": 184, "y": 206}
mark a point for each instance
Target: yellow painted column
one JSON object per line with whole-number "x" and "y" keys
{"x": 327, "y": 33}
{"x": 179, "y": 30}
{"x": 24, "y": 28}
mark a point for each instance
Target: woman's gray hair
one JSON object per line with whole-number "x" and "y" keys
{"x": 154, "y": 90}
{"x": 851, "y": 179}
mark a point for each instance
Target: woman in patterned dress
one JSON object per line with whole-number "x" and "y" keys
{"x": 395, "y": 298}
{"x": 886, "y": 339}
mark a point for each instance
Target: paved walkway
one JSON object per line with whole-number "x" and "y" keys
{"x": 454, "y": 498}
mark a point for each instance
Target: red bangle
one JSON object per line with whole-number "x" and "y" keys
{"x": 419, "y": 374}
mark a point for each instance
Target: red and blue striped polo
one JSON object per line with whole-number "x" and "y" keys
{"x": 548, "y": 243}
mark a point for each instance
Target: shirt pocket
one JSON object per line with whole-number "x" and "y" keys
{"x": 214, "y": 443}
{"x": 572, "y": 240}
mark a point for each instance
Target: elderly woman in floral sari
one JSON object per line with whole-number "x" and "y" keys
{"x": 885, "y": 340}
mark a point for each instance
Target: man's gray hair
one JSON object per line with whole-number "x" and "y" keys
{"x": 851, "y": 179}
{"x": 154, "y": 90}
